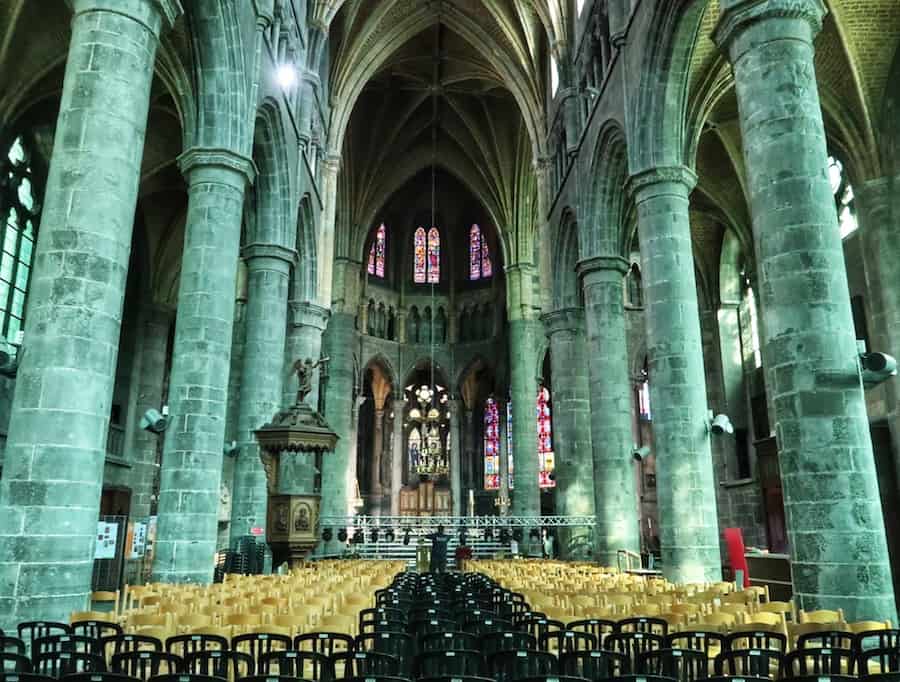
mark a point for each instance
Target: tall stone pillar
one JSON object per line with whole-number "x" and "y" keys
{"x": 612, "y": 439}
{"x": 523, "y": 335}
{"x": 504, "y": 458}
{"x": 397, "y": 457}
{"x": 835, "y": 526}
{"x": 339, "y": 341}
{"x": 56, "y": 444}
{"x": 456, "y": 495}
{"x": 198, "y": 388}
{"x": 571, "y": 426}
{"x": 155, "y": 324}
{"x": 377, "y": 451}
{"x": 268, "y": 275}
{"x": 879, "y": 216}
{"x": 468, "y": 443}
{"x": 689, "y": 533}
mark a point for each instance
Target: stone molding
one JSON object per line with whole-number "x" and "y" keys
{"x": 197, "y": 158}
{"x": 737, "y": 15}
{"x": 253, "y": 252}
{"x": 662, "y": 175}
{"x": 305, "y": 314}
{"x": 563, "y": 320}
{"x": 602, "y": 263}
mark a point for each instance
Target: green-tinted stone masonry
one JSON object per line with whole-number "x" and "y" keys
{"x": 835, "y": 526}
{"x": 688, "y": 527}
{"x": 56, "y": 443}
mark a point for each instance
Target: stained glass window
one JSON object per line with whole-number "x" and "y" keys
{"x": 377, "y": 252}
{"x": 491, "y": 445}
{"x": 479, "y": 257}
{"x": 545, "y": 439}
{"x": 509, "y": 441}
{"x": 414, "y": 449}
{"x": 434, "y": 256}
{"x": 19, "y": 215}
{"x": 474, "y": 253}
{"x": 844, "y": 198}
{"x": 419, "y": 249}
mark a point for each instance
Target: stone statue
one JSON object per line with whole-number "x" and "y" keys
{"x": 304, "y": 370}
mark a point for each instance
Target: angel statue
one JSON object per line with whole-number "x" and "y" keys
{"x": 304, "y": 370}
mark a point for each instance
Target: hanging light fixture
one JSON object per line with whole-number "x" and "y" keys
{"x": 433, "y": 459}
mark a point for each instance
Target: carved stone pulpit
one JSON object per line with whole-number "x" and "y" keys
{"x": 292, "y": 520}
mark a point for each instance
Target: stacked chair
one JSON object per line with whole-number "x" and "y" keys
{"x": 457, "y": 627}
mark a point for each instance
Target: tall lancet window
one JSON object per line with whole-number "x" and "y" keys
{"x": 427, "y": 256}
{"x": 480, "y": 266}
{"x": 545, "y": 439}
{"x": 491, "y": 445}
{"x": 19, "y": 216}
{"x": 377, "y": 252}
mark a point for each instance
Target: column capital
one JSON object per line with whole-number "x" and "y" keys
{"x": 306, "y": 314}
{"x": 602, "y": 263}
{"x": 207, "y": 158}
{"x": 258, "y": 252}
{"x": 563, "y": 320}
{"x": 663, "y": 175}
{"x": 154, "y": 14}
{"x": 738, "y": 15}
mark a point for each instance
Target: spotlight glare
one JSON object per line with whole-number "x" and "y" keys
{"x": 286, "y": 76}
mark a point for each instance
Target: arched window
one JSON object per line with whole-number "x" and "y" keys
{"x": 844, "y": 198}
{"x": 480, "y": 266}
{"x": 427, "y": 256}
{"x": 509, "y": 441}
{"x": 434, "y": 256}
{"x": 545, "y": 439}
{"x": 633, "y": 287}
{"x": 19, "y": 216}
{"x": 751, "y": 319}
{"x": 414, "y": 448}
{"x": 491, "y": 445}
{"x": 643, "y": 389}
{"x": 419, "y": 249}
{"x": 377, "y": 252}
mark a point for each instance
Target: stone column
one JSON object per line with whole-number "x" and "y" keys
{"x": 397, "y": 457}
{"x": 377, "y": 448}
{"x": 268, "y": 274}
{"x": 56, "y": 444}
{"x": 571, "y": 426}
{"x": 325, "y": 255}
{"x": 689, "y": 532}
{"x": 455, "y": 460}
{"x": 198, "y": 388}
{"x": 339, "y": 341}
{"x": 504, "y": 457}
{"x": 523, "y": 334}
{"x": 835, "y": 526}
{"x": 468, "y": 443}
{"x": 879, "y": 215}
{"x": 612, "y": 439}
{"x": 155, "y": 325}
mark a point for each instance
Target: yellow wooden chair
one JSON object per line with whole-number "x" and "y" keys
{"x": 821, "y": 616}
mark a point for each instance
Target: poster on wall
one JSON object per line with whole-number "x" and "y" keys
{"x": 106, "y": 540}
{"x": 139, "y": 540}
